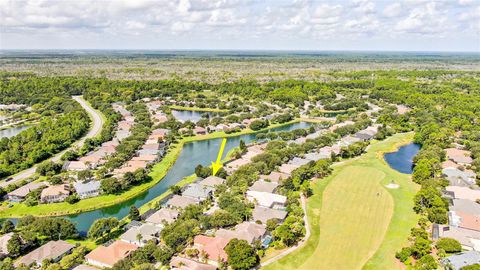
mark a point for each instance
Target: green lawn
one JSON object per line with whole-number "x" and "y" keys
{"x": 355, "y": 221}
{"x": 158, "y": 171}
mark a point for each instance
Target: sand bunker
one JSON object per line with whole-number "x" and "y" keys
{"x": 392, "y": 186}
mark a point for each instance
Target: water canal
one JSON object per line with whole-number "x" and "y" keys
{"x": 402, "y": 159}
{"x": 194, "y": 153}
{"x": 10, "y": 132}
{"x": 193, "y": 116}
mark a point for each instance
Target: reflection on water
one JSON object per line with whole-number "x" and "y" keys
{"x": 402, "y": 160}
{"x": 193, "y": 116}
{"x": 194, "y": 153}
{"x": 10, "y": 132}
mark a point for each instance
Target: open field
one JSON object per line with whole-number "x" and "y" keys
{"x": 355, "y": 221}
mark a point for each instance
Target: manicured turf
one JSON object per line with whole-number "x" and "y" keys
{"x": 355, "y": 221}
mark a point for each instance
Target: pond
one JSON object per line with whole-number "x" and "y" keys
{"x": 402, "y": 159}
{"x": 10, "y": 132}
{"x": 194, "y": 153}
{"x": 193, "y": 116}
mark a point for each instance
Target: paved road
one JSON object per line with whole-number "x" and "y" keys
{"x": 95, "y": 129}
{"x": 299, "y": 244}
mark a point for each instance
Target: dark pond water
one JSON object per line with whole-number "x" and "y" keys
{"x": 10, "y": 132}
{"x": 194, "y": 153}
{"x": 402, "y": 160}
{"x": 193, "y": 116}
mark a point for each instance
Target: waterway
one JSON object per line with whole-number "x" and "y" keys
{"x": 192, "y": 154}
{"x": 193, "y": 116}
{"x": 402, "y": 159}
{"x": 10, "y": 132}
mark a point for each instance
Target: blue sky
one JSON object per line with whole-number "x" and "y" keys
{"x": 407, "y": 25}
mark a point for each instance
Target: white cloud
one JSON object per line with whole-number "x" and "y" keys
{"x": 393, "y": 10}
{"x": 266, "y": 20}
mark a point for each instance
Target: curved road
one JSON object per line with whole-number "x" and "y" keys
{"x": 95, "y": 130}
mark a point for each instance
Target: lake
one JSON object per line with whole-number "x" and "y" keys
{"x": 193, "y": 116}
{"x": 192, "y": 154}
{"x": 402, "y": 159}
{"x": 10, "y": 132}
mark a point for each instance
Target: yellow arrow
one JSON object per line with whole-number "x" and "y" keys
{"x": 218, "y": 164}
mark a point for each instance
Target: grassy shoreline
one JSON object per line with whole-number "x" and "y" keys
{"x": 158, "y": 172}
{"x": 376, "y": 252}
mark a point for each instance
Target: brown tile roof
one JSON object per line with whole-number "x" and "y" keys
{"x": 111, "y": 254}
{"x": 213, "y": 246}
{"x": 459, "y": 156}
{"x": 51, "y": 250}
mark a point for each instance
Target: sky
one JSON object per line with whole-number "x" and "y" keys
{"x": 363, "y": 25}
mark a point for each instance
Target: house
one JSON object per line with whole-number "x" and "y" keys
{"x": 277, "y": 177}
{"x": 93, "y": 160}
{"x": 146, "y": 158}
{"x": 84, "y": 267}
{"x": 213, "y": 247}
{"x": 199, "y": 130}
{"x": 317, "y": 156}
{"x": 87, "y": 190}
{"x": 20, "y": 193}
{"x": 144, "y": 152}
{"x": 402, "y": 109}
{"x": 465, "y": 214}
{"x": 160, "y": 118}
{"x": 457, "y": 177}
{"x": 234, "y": 165}
{"x": 181, "y": 202}
{"x": 164, "y": 215}
{"x": 461, "y": 157}
{"x": 160, "y": 131}
{"x": 198, "y": 192}
{"x": 141, "y": 235}
{"x": 288, "y": 168}
{"x": 364, "y": 136}
{"x": 348, "y": 140}
{"x": 186, "y": 264}
{"x": 122, "y": 134}
{"x": 104, "y": 256}
{"x": 4, "y": 244}
{"x": 339, "y": 125}
{"x": 316, "y": 134}
{"x": 469, "y": 239}
{"x": 458, "y": 261}
{"x": 464, "y": 193}
{"x": 212, "y": 181}
{"x": 264, "y": 186}
{"x": 151, "y": 146}
{"x": 299, "y": 161}
{"x": 449, "y": 164}
{"x": 248, "y": 231}
{"x": 114, "y": 142}
{"x": 52, "y": 194}
{"x": 263, "y": 214}
{"x": 267, "y": 199}
{"x": 53, "y": 250}
{"x": 75, "y": 166}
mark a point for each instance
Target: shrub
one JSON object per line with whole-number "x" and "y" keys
{"x": 450, "y": 245}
